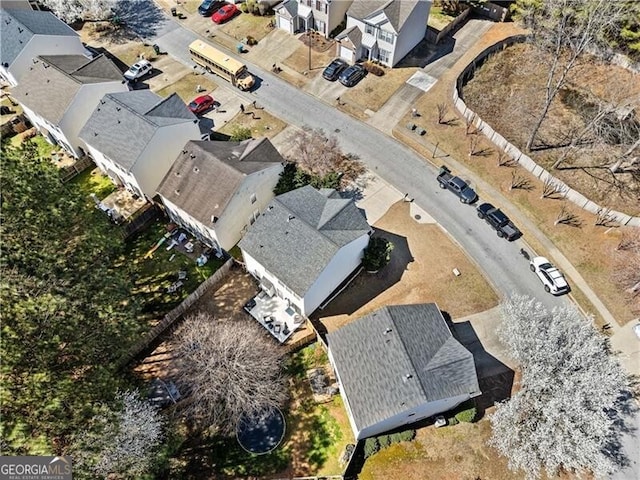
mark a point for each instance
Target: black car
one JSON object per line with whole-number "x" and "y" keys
{"x": 334, "y": 69}
{"x": 207, "y": 7}
{"x": 352, "y": 75}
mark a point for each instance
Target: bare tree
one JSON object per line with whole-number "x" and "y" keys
{"x": 626, "y": 268}
{"x": 505, "y": 160}
{"x": 552, "y": 188}
{"x": 443, "y": 109}
{"x": 565, "y": 30}
{"x": 228, "y": 369}
{"x": 319, "y": 155}
{"x": 604, "y": 218}
{"x": 470, "y": 128}
{"x": 72, "y": 10}
{"x": 561, "y": 418}
{"x": 565, "y": 217}
{"x": 519, "y": 182}
{"x": 126, "y": 442}
{"x": 473, "y": 144}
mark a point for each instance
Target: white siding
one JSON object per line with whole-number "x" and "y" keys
{"x": 258, "y": 271}
{"x": 182, "y": 218}
{"x": 115, "y": 172}
{"x": 336, "y": 13}
{"x": 412, "y": 32}
{"x": 285, "y": 23}
{"x": 81, "y": 108}
{"x": 160, "y": 153}
{"x": 44, "y": 45}
{"x": 55, "y": 132}
{"x": 234, "y": 218}
{"x": 345, "y": 261}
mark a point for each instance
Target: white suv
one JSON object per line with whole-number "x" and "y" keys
{"x": 552, "y": 279}
{"x": 138, "y": 70}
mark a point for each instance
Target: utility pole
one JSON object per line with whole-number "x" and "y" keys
{"x": 309, "y": 40}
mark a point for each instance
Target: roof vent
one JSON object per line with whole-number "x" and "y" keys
{"x": 214, "y": 219}
{"x": 387, "y": 331}
{"x": 177, "y": 191}
{"x": 407, "y": 377}
{"x": 184, "y": 152}
{"x": 196, "y": 169}
{"x": 177, "y": 174}
{"x": 118, "y": 109}
{"x": 270, "y": 207}
{"x": 290, "y": 217}
{"x": 192, "y": 155}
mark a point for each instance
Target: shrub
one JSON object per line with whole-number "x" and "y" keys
{"x": 452, "y": 421}
{"x": 371, "y": 67}
{"x": 244, "y": 8}
{"x": 466, "y": 416}
{"x": 377, "y": 254}
{"x": 371, "y": 446}
{"x": 384, "y": 441}
{"x": 251, "y": 40}
{"x": 240, "y": 133}
{"x": 406, "y": 435}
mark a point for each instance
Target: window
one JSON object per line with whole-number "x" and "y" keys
{"x": 385, "y": 36}
{"x": 253, "y": 198}
{"x": 318, "y": 5}
{"x": 384, "y": 56}
{"x": 321, "y": 26}
{"x": 370, "y": 29}
{"x": 326, "y": 8}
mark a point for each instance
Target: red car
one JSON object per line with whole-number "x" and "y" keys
{"x": 224, "y": 14}
{"x": 201, "y": 104}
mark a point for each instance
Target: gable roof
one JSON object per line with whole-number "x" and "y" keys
{"x": 396, "y": 11}
{"x": 374, "y": 366}
{"x": 18, "y": 26}
{"x": 123, "y": 124}
{"x": 300, "y": 232}
{"x": 52, "y": 82}
{"x": 352, "y": 34}
{"x": 206, "y": 174}
{"x": 288, "y": 9}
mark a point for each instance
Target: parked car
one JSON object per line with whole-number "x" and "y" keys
{"x": 207, "y": 7}
{"x": 138, "y": 70}
{"x": 552, "y": 278}
{"x": 334, "y": 69}
{"x": 499, "y": 221}
{"x": 352, "y": 75}
{"x": 465, "y": 193}
{"x": 201, "y": 104}
{"x": 224, "y": 13}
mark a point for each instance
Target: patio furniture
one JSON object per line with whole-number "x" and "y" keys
{"x": 201, "y": 260}
{"x": 189, "y": 247}
{"x": 182, "y": 274}
{"x": 172, "y": 244}
{"x": 298, "y": 319}
{"x": 182, "y": 237}
{"x": 286, "y": 330}
{"x": 276, "y": 328}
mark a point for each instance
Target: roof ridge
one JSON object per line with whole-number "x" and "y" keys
{"x": 404, "y": 347}
{"x": 251, "y": 145}
{"x": 344, "y": 201}
{"x": 150, "y": 113}
{"x": 51, "y": 64}
{"x": 141, "y": 115}
{"x": 307, "y": 224}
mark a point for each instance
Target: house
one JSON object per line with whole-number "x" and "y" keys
{"x": 26, "y": 34}
{"x": 59, "y": 92}
{"x": 399, "y": 365}
{"x": 216, "y": 189}
{"x": 383, "y": 30}
{"x": 304, "y": 245}
{"x": 134, "y": 137}
{"x": 323, "y": 16}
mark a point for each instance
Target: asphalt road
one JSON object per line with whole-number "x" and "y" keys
{"x": 500, "y": 261}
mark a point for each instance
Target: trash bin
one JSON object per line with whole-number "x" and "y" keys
{"x": 174, "y": 12}
{"x": 156, "y": 49}
{"x": 240, "y": 48}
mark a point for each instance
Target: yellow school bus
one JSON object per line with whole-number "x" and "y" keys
{"x": 215, "y": 61}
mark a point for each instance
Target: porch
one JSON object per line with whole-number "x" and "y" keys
{"x": 122, "y": 202}
{"x": 275, "y": 314}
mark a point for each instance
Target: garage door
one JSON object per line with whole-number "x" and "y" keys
{"x": 284, "y": 24}
{"x": 346, "y": 54}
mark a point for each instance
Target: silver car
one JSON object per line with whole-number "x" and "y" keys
{"x": 552, "y": 278}
{"x": 138, "y": 70}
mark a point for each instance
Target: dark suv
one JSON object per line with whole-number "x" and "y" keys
{"x": 352, "y": 75}
{"x": 334, "y": 69}
{"x": 207, "y": 7}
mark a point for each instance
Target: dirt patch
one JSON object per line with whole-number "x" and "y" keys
{"x": 186, "y": 86}
{"x": 416, "y": 274}
{"x": 246, "y": 24}
{"x": 510, "y": 86}
{"x": 318, "y": 42}
{"x": 589, "y": 248}
{"x": 299, "y": 60}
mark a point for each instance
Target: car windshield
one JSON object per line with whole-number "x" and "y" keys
{"x": 193, "y": 104}
{"x": 222, "y": 11}
{"x": 134, "y": 69}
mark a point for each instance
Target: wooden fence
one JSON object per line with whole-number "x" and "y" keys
{"x": 140, "y": 222}
{"x": 79, "y": 166}
{"x": 171, "y": 317}
{"x": 452, "y": 25}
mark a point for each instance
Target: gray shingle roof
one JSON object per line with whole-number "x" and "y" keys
{"x": 123, "y": 124}
{"x": 288, "y": 6}
{"x": 300, "y": 232}
{"x": 17, "y": 26}
{"x": 397, "y": 11}
{"x": 353, "y": 34}
{"x": 52, "y": 82}
{"x": 206, "y": 174}
{"x": 373, "y": 365}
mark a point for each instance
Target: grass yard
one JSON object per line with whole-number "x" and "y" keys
{"x": 373, "y": 92}
{"x": 454, "y": 452}
{"x": 438, "y": 19}
{"x": 185, "y": 87}
{"x": 153, "y": 274}
{"x": 263, "y": 125}
{"x": 299, "y": 60}
{"x": 414, "y": 274}
{"x": 245, "y": 24}
{"x": 92, "y": 180}
{"x": 45, "y": 149}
